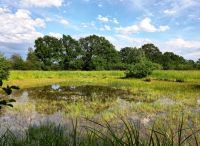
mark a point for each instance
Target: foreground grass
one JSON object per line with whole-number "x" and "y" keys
{"x": 105, "y": 134}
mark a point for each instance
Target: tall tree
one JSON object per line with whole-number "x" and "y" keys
{"x": 99, "y": 53}
{"x": 48, "y": 50}
{"x": 32, "y": 61}
{"x": 171, "y": 60}
{"x": 152, "y": 52}
{"x": 72, "y": 53}
{"x": 131, "y": 55}
{"x": 17, "y": 62}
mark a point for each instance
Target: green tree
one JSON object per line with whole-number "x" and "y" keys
{"x": 4, "y": 68}
{"x": 131, "y": 55}
{"x": 198, "y": 64}
{"x": 71, "y": 53}
{"x": 32, "y": 61}
{"x": 98, "y": 53}
{"x": 152, "y": 52}
{"x": 17, "y": 63}
{"x": 48, "y": 50}
{"x": 140, "y": 70}
{"x": 172, "y": 61}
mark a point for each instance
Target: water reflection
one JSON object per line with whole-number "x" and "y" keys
{"x": 55, "y": 103}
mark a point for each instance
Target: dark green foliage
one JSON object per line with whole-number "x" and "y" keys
{"x": 17, "y": 63}
{"x": 140, "y": 70}
{"x": 147, "y": 79}
{"x": 180, "y": 80}
{"x": 172, "y": 61}
{"x": 152, "y": 53}
{"x": 72, "y": 53}
{"x": 8, "y": 91}
{"x": 32, "y": 61}
{"x": 48, "y": 50}
{"x": 131, "y": 55}
{"x": 94, "y": 53}
{"x": 4, "y": 68}
{"x": 198, "y": 64}
{"x": 98, "y": 53}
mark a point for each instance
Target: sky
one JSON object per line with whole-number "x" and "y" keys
{"x": 172, "y": 25}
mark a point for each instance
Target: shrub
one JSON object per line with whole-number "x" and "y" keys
{"x": 140, "y": 70}
{"x": 147, "y": 79}
{"x": 180, "y": 80}
{"x": 4, "y": 68}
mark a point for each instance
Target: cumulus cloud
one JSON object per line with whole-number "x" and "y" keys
{"x": 4, "y": 10}
{"x": 127, "y": 41}
{"x": 19, "y": 27}
{"x": 115, "y": 21}
{"x": 169, "y": 12}
{"x": 107, "y": 19}
{"x": 181, "y": 43}
{"x": 54, "y": 34}
{"x": 102, "y": 18}
{"x": 42, "y": 3}
{"x": 63, "y": 21}
{"x": 105, "y": 27}
{"x": 144, "y": 25}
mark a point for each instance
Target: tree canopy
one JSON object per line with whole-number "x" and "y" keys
{"x": 94, "y": 53}
{"x": 4, "y": 68}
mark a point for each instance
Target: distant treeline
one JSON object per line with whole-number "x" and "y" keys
{"x": 94, "y": 53}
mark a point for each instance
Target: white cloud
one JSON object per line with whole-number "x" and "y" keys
{"x": 42, "y": 3}
{"x": 4, "y": 10}
{"x": 105, "y": 27}
{"x": 19, "y": 27}
{"x": 127, "y": 41}
{"x": 103, "y": 19}
{"x": 181, "y": 43}
{"x": 115, "y": 21}
{"x": 54, "y": 34}
{"x": 144, "y": 25}
{"x": 63, "y": 21}
{"x": 169, "y": 12}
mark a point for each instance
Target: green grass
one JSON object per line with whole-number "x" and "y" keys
{"x": 182, "y": 87}
{"x": 105, "y": 133}
{"x": 164, "y": 84}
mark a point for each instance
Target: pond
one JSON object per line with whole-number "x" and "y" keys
{"x": 58, "y": 104}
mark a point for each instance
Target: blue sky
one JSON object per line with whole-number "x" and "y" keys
{"x": 172, "y": 25}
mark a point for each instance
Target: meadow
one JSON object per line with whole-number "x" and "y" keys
{"x": 159, "y": 100}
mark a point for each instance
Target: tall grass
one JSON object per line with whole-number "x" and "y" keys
{"x": 106, "y": 134}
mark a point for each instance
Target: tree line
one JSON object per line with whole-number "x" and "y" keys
{"x": 94, "y": 53}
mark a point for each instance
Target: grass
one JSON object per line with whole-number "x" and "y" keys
{"x": 94, "y": 133}
{"x": 182, "y": 88}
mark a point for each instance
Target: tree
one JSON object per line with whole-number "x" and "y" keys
{"x": 172, "y": 61}
{"x": 17, "y": 63}
{"x": 152, "y": 52}
{"x": 198, "y": 64}
{"x": 72, "y": 53}
{"x": 48, "y": 50}
{"x": 98, "y": 53}
{"x": 32, "y": 61}
{"x": 140, "y": 70}
{"x": 131, "y": 55}
{"x": 4, "y": 68}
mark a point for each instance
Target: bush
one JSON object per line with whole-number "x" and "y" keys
{"x": 180, "y": 80}
{"x": 140, "y": 70}
{"x": 4, "y": 68}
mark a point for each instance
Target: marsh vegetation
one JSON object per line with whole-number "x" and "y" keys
{"x": 129, "y": 111}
